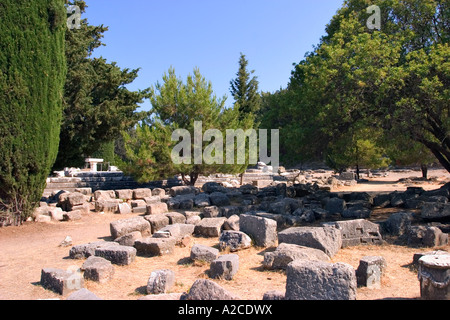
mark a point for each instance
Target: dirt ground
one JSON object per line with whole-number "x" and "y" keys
{"x": 26, "y": 250}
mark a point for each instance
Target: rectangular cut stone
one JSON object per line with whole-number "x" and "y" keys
{"x": 120, "y": 255}
{"x": 262, "y": 230}
{"x": 61, "y": 281}
{"x": 155, "y": 246}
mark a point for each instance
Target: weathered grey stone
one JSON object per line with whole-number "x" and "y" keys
{"x": 202, "y": 200}
{"x": 85, "y": 191}
{"x": 318, "y": 280}
{"x": 56, "y": 213}
{"x": 97, "y": 269}
{"x": 335, "y": 206}
{"x": 210, "y": 187}
{"x": 122, "y": 227}
{"x": 204, "y": 289}
{"x": 204, "y": 253}
{"x": 209, "y": 227}
{"x": 224, "y": 267}
{"x": 323, "y": 238}
{"x": 263, "y": 231}
{"x": 382, "y": 200}
{"x": 234, "y": 241}
{"x": 120, "y": 255}
{"x": 175, "y": 217}
{"x": 160, "y": 281}
{"x": 152, "y": 199}
{"x": 211, "y": 212}
{"x": 41, "y": 218}
{"x": 398, "y": 223}
{"x": 419, "y": 236}
{"x": 280, "y": 207}
{"x": 126, "y": 194}
{"x": 155, "y": 246}
{"x": 73, "y": 199}
{"x": 83, "y": 251}
{"x": 157, "y": 208}
{"x": 434, "y": 277}
{"x": 436, "y": 211}
{"x": 229, "y": 211}
{"x": 129, "y": 238}
{"x": 287, "y": 252}
{"x": 273, "y": 295}
{"x": 177, "y": 231}
{"x": 124, "y": 208}
{"x": 370, "y": 271}
{"x": 107, "y": 205}
{"x": 358, "y": 232}
{"x": 232, "y": 223}
{"x": 104, "y": 195}
{"x": 61, "y": 281}
{"x": 157, "y": 222}
{"x": 356, "y": 212}
{"x": 193, "y": 220}
{"x": 72, "y": 215}
{"x": 182, "y": 190}
{"x": 83, "y": 295}
{"x": 141, "y": 193}
{"x": 158, "y": 192}
{"x": 219, "y": 199}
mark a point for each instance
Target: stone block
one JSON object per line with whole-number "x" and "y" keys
{"x": 72, "y": 215}
{"x": 323, "y": 238}
{"x": 126, "y": 194}
{"x": 122, "y": 227}
{"x": 286, "y": 253}
{"x": 176, "y": 217}
{"x": 318, "y": 280}
{"x": 84, "y": 251}
{"x": 61, "y": 281}
{"x": 263, "y": 231}
{"x": 358, "y": 232}
{"x": 160, "y": 281}
{"x": 97, "y": 269}
{"x": 129, "y": 238}
{"x": 234, "y": 241}
{"x": 219, "y": 199}
{"x": 158, "y": 192}
{"x": 204, "y": 253}
{"x": 204, "y": 289}
{"x": 224, "y": 267}
{"x": 124, "y": 208}
{"x": 156, "y": 208}
{"x": 182, "y": 190}
{"x": 211, "y": 212}
{"x": 209, "y": 227}
{"x": 232, "y": 223}
{"x": 157, "y": 222}
{"x": 155, "y": 246}
{"x": 369, "y": 271}
{"x": 141, "y": 193}
{"x": 120, "y": 255}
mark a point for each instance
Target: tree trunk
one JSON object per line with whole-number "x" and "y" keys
{"x": 424, "y": 168}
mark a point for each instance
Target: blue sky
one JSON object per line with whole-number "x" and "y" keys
{"x": 210, "y": 34}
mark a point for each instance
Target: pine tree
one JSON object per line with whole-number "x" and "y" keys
{"x": 178, "y": 105}
{"x": 33, "y": 69}
{"x": 245, "y": 90}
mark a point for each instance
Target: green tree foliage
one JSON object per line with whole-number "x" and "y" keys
{"x": 244, "y": 90}
{"x": 361, "y": 149}
{"x": 32, "y": 73}
{"x": 395, "y": 78}
{"x": 177, "y": 105}
{"x": 98, "y": 105}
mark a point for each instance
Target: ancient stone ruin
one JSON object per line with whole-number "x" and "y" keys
{"x": 306, "y": 226}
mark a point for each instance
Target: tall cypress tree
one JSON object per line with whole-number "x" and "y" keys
{"x": 33, "y": 69}
{"x": 245, "y": 90}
